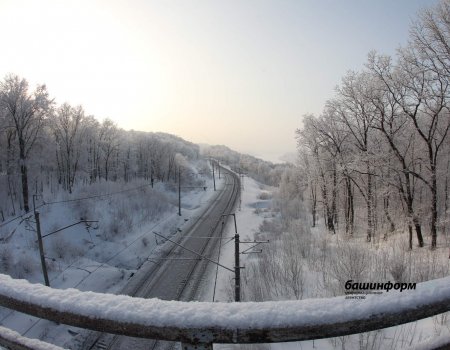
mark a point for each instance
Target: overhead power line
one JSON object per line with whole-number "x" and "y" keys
{"x": 95, "y": 196}
{"x": 73, "y": 200}
{"x": 22, "y": 216}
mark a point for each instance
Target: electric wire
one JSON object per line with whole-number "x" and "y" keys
{"x": 110, "y": 258}
{"x": 95, "y": 196}
{"x": 90, "y": 272}
{"x": 74, "y": 200}
{"x": 14, "y": 219}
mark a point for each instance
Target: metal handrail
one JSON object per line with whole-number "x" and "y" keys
{"x": 205, "y": 323}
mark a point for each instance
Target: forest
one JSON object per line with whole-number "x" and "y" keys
{"x": 45, "y": 146}
{"x": 377, "y": 158}
{"x": 367, "y": 200}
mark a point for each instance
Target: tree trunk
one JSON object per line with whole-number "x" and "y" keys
{"x": 328, "y": 212}
{"x": 433, "y": 210}
{"x": 313, "y": 204}
{"x": 24, "y": 175}
{"x": 410, "y": 237}
{"x": 418, "y": 229}
{"x": 388, "y": 216}
{"x": 334, "y": 199}
{"x": 9, "y": 160}
{"x": 349, "y": 209}
{"x": 369, "y": 206}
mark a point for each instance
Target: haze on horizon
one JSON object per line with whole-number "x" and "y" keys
{"x": 238, "y": 73}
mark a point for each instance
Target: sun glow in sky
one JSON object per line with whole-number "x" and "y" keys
{"x": 233, "y": 72}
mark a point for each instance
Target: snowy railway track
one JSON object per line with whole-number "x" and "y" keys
{"x": 176, "y": 279}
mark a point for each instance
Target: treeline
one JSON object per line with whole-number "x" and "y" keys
{"x": 377, "y": 159}
{"x": 260, "y": 170}
{"x": 46, "y": 146}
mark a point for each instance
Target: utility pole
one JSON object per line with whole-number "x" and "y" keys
{"x": 40, "y": 243}
{"x": 214, "y": 178}
{"x": 152, "y": 180}
{"x": 237, "y": 270}
{"x": 179, "y": 191}
{"x": 241, "y": 187}
{"x": 41, "y": 248}
{"x": 237, "y": 252}
{"x": 218, "y": 166}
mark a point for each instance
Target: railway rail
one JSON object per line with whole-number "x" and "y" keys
{"x": 176, "y": 279}
{"x": 200, "y": 325}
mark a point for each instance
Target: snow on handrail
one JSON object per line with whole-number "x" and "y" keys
{"x": 206, "y": 322}
{"x": 13, "y": 340}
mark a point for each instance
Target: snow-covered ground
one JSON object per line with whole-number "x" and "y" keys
{"x": 250, "y": 213}
{"x": 254, "y": 211}
{"x": 100, "y": 257}
{"x": 117, "y": 259}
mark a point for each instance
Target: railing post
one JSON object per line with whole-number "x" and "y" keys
{"x": 201, "y": 346}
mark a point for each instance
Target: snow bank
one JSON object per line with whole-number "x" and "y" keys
{"x": 15, "y": 338}
{"x": 246, "y": 315}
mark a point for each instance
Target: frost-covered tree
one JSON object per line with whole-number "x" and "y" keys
{"x": 386, "y": 132}
{"x": 109, "y": 145}
{"x": 69, "y": 129}
{"x": 398, "y": 131}
{"x": 324, "y": 164}
{"x": 24, "y": 113}
{"x": 356, "y": 114}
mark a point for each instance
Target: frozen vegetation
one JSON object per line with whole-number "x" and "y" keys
{"x": 367, "y": 202}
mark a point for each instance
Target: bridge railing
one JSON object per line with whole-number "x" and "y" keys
{"x": 197, "y": 325}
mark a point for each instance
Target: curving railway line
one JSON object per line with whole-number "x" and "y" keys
{"x": 179, "y": 273}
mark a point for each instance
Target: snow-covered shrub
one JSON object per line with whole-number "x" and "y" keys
{"x": 122, "y": 219}
{"x": 429, "y": 266}
{"x": 24, "y": 267}
{"x": 299, "y": 236}
{"x": 371, "y": 340}
{"x": 348, "y": 261}
{"x": 278, "y": 272}
{"x": 292, "y": 267}
{"x": 121, "y": 214}
{"x": 270, "y": 226}
{"x": 204, "y": 169}
{"x": 21, "y": 267}
{"x": 265, "y": 195}
{"x": 58, "y": 246}
{"x": 397, "y": 268}
{"x": 153, "y": 205}
{"x": 63, "y": 249}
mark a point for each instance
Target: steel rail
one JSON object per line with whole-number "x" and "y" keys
{"x": 156, "y": 276}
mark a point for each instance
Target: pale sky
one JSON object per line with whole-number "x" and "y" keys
{"x": 234, "y": 72}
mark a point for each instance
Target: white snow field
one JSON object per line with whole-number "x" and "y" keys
{"x": 103, "y": 256}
